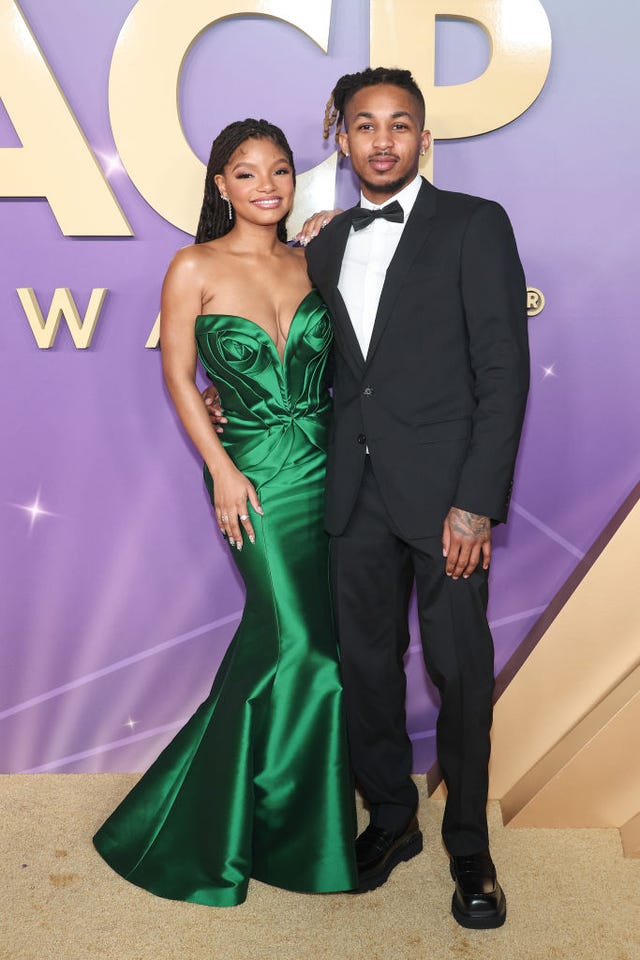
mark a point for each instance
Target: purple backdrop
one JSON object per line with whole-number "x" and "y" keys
{"x": 118, "y": 602}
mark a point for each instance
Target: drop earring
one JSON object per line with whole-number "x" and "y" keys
{"x": 229, "y": 207}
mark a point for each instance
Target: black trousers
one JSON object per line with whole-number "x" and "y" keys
{"x": 373, "y": 569}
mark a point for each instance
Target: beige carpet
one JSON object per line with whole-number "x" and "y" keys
{"x": 571, "y": 896}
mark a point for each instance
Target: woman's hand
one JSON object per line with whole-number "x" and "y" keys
{"x": 213, "y": 404}
{"x": 231, "y": 491}
{"x": 312, "y": 227}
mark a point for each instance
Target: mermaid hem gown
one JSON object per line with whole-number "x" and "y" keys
{"x": 257, "y": 783}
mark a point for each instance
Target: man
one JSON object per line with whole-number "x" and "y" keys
{"x": 428, "y": 301}
{"x": 430, "y": 384}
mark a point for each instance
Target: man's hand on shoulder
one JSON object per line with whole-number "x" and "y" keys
{"x": 465, "y": 537}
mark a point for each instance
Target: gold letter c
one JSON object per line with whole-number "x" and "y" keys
{"x": 143, "y": 96}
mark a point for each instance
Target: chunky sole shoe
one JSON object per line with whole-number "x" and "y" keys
{"x": 482, "y": 918}
{"x": 477, "y": 921}
{"x": 408, "y": 848}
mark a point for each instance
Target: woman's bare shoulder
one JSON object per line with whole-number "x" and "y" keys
{"x": 194, "y": 267}
{"x": 297, "y": 252}
{"x": 194, "y": 258}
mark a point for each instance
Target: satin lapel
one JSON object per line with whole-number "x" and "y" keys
{"x": 414, "y": 235}
{"x": 344, "y": 333}
{"x": 327, "y": 271}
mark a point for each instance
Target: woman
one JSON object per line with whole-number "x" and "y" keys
{"x": 257, "y": 783}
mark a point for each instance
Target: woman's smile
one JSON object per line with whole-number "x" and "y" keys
{"x": 267, "y": 203}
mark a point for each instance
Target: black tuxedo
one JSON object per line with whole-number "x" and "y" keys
{"x": 440, "y": 397}
{"x": 439, "y": 402}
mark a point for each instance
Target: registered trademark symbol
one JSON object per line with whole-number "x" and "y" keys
{"x": 535, "y": 301}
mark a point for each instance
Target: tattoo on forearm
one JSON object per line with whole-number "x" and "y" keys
{"x": 469, "y": 524}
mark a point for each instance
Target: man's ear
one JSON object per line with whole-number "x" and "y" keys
{"x": 343, "y": 142}
{"x": 425, "y": 141}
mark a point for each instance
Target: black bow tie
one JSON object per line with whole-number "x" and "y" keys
{"x": 361, "y": 217}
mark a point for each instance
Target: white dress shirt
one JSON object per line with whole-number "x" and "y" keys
{"x": 367, "y": 256}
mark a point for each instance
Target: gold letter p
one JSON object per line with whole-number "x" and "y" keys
{"x": 403, "y": 34}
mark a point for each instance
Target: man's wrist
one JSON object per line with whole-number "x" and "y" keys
{"x": 467, "y": 523}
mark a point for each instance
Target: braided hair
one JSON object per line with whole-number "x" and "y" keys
{"x": 214, "y": 216}
{"x": 350, "y": 83}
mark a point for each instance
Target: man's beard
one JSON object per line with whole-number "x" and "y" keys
{"x": 392, "y": 187}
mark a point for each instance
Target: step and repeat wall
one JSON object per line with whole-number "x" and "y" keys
{"x": 118, "y": 596}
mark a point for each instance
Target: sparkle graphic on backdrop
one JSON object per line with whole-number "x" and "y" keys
{"x": 35, "y": 510}
{"x": 110, "y": 162}
{"x": 549, "y": 371}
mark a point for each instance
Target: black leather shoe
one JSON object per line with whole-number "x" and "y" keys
{"x": 478, "y": 901}
{"x": 378, "y": 851}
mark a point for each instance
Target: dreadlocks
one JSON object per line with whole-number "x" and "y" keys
{"x": 352, "y": 82}
{"x": 214, "y": 216}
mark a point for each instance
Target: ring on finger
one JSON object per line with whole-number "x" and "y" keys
{"x": 243, "y": 516}
{"x": 224, "y": 517}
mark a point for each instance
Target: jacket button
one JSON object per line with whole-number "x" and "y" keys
{"x": 367, "y": 392}
{"x": 361, "y": 438}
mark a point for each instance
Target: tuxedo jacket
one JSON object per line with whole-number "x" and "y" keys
{"x": 439, "y": 399}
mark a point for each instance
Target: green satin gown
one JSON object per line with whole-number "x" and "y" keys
{"x": 257, "y": 783}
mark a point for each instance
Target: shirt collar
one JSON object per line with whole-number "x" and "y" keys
{"x": 405, "y": 197}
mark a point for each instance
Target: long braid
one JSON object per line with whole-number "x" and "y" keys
{"x": 350, "y": 83}
{"x": 214, "y": 216}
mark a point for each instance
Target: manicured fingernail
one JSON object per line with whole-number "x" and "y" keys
{"x": 252, "y": 539}
{"x": 232, "y": 543}
{"x": 238, "y": 546}
{"x": 444, "y": 552}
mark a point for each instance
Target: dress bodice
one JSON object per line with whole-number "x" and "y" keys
{"x": 275, "y": 406}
